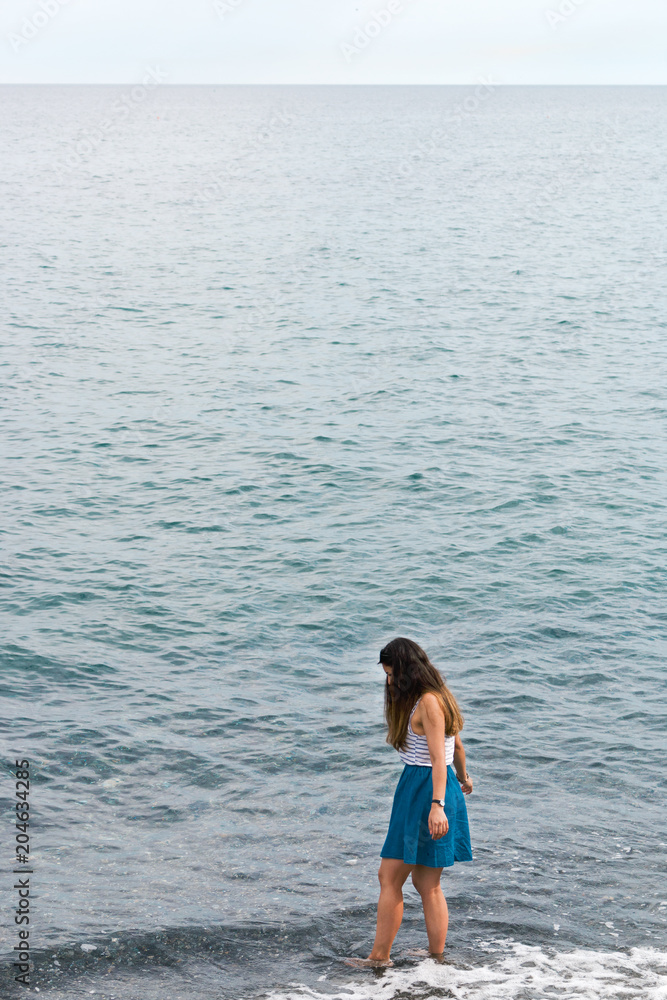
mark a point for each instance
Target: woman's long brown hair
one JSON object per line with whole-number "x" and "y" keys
{"x": 413, "y": 675}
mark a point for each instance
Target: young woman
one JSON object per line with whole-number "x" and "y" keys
{"x": 428, "y": 828}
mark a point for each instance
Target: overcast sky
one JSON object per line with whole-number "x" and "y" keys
{"x": 335, "y": 41}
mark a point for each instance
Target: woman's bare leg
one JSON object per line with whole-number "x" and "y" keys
{"x": 427, "y": 883}
{"x": 392, "y": 874}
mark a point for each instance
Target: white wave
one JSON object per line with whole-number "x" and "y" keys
{"x": 515, "y": 972}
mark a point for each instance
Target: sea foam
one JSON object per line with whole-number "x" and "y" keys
{"x": 511, "y": 971}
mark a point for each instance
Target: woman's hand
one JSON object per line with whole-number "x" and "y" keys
{"x": 466, "y": 786}
{"x": 438, "y": 824}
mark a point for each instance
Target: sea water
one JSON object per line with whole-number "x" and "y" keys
{"x": 288, "y": 372}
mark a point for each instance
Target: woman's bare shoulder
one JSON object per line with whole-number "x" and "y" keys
{"x": 430, "y": 707}
{"x": 431, "y": 702}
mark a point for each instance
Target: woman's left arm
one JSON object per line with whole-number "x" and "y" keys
{"x": 460, "y": 766}
{"x": 433, "y": 721}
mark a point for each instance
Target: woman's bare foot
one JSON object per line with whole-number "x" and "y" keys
{"x": 364, "y": 963}
{"x": 423, "y": 953}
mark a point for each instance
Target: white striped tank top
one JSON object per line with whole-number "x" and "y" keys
{"x": 416, "y": 747}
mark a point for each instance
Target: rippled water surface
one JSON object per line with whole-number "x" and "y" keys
{"x": 288, "y": 372}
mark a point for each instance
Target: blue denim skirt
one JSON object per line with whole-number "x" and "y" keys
{"x": 408, "y": 837}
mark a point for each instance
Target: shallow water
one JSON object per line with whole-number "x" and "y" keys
{"x": 287, "y": 376}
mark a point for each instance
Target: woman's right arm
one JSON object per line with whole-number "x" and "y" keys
{"x": 460, "y": 766}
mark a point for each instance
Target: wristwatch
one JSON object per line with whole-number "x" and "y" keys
{"x": 441, "y": 802}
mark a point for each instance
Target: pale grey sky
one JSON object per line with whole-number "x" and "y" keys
{"x": 335, "y": 41}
